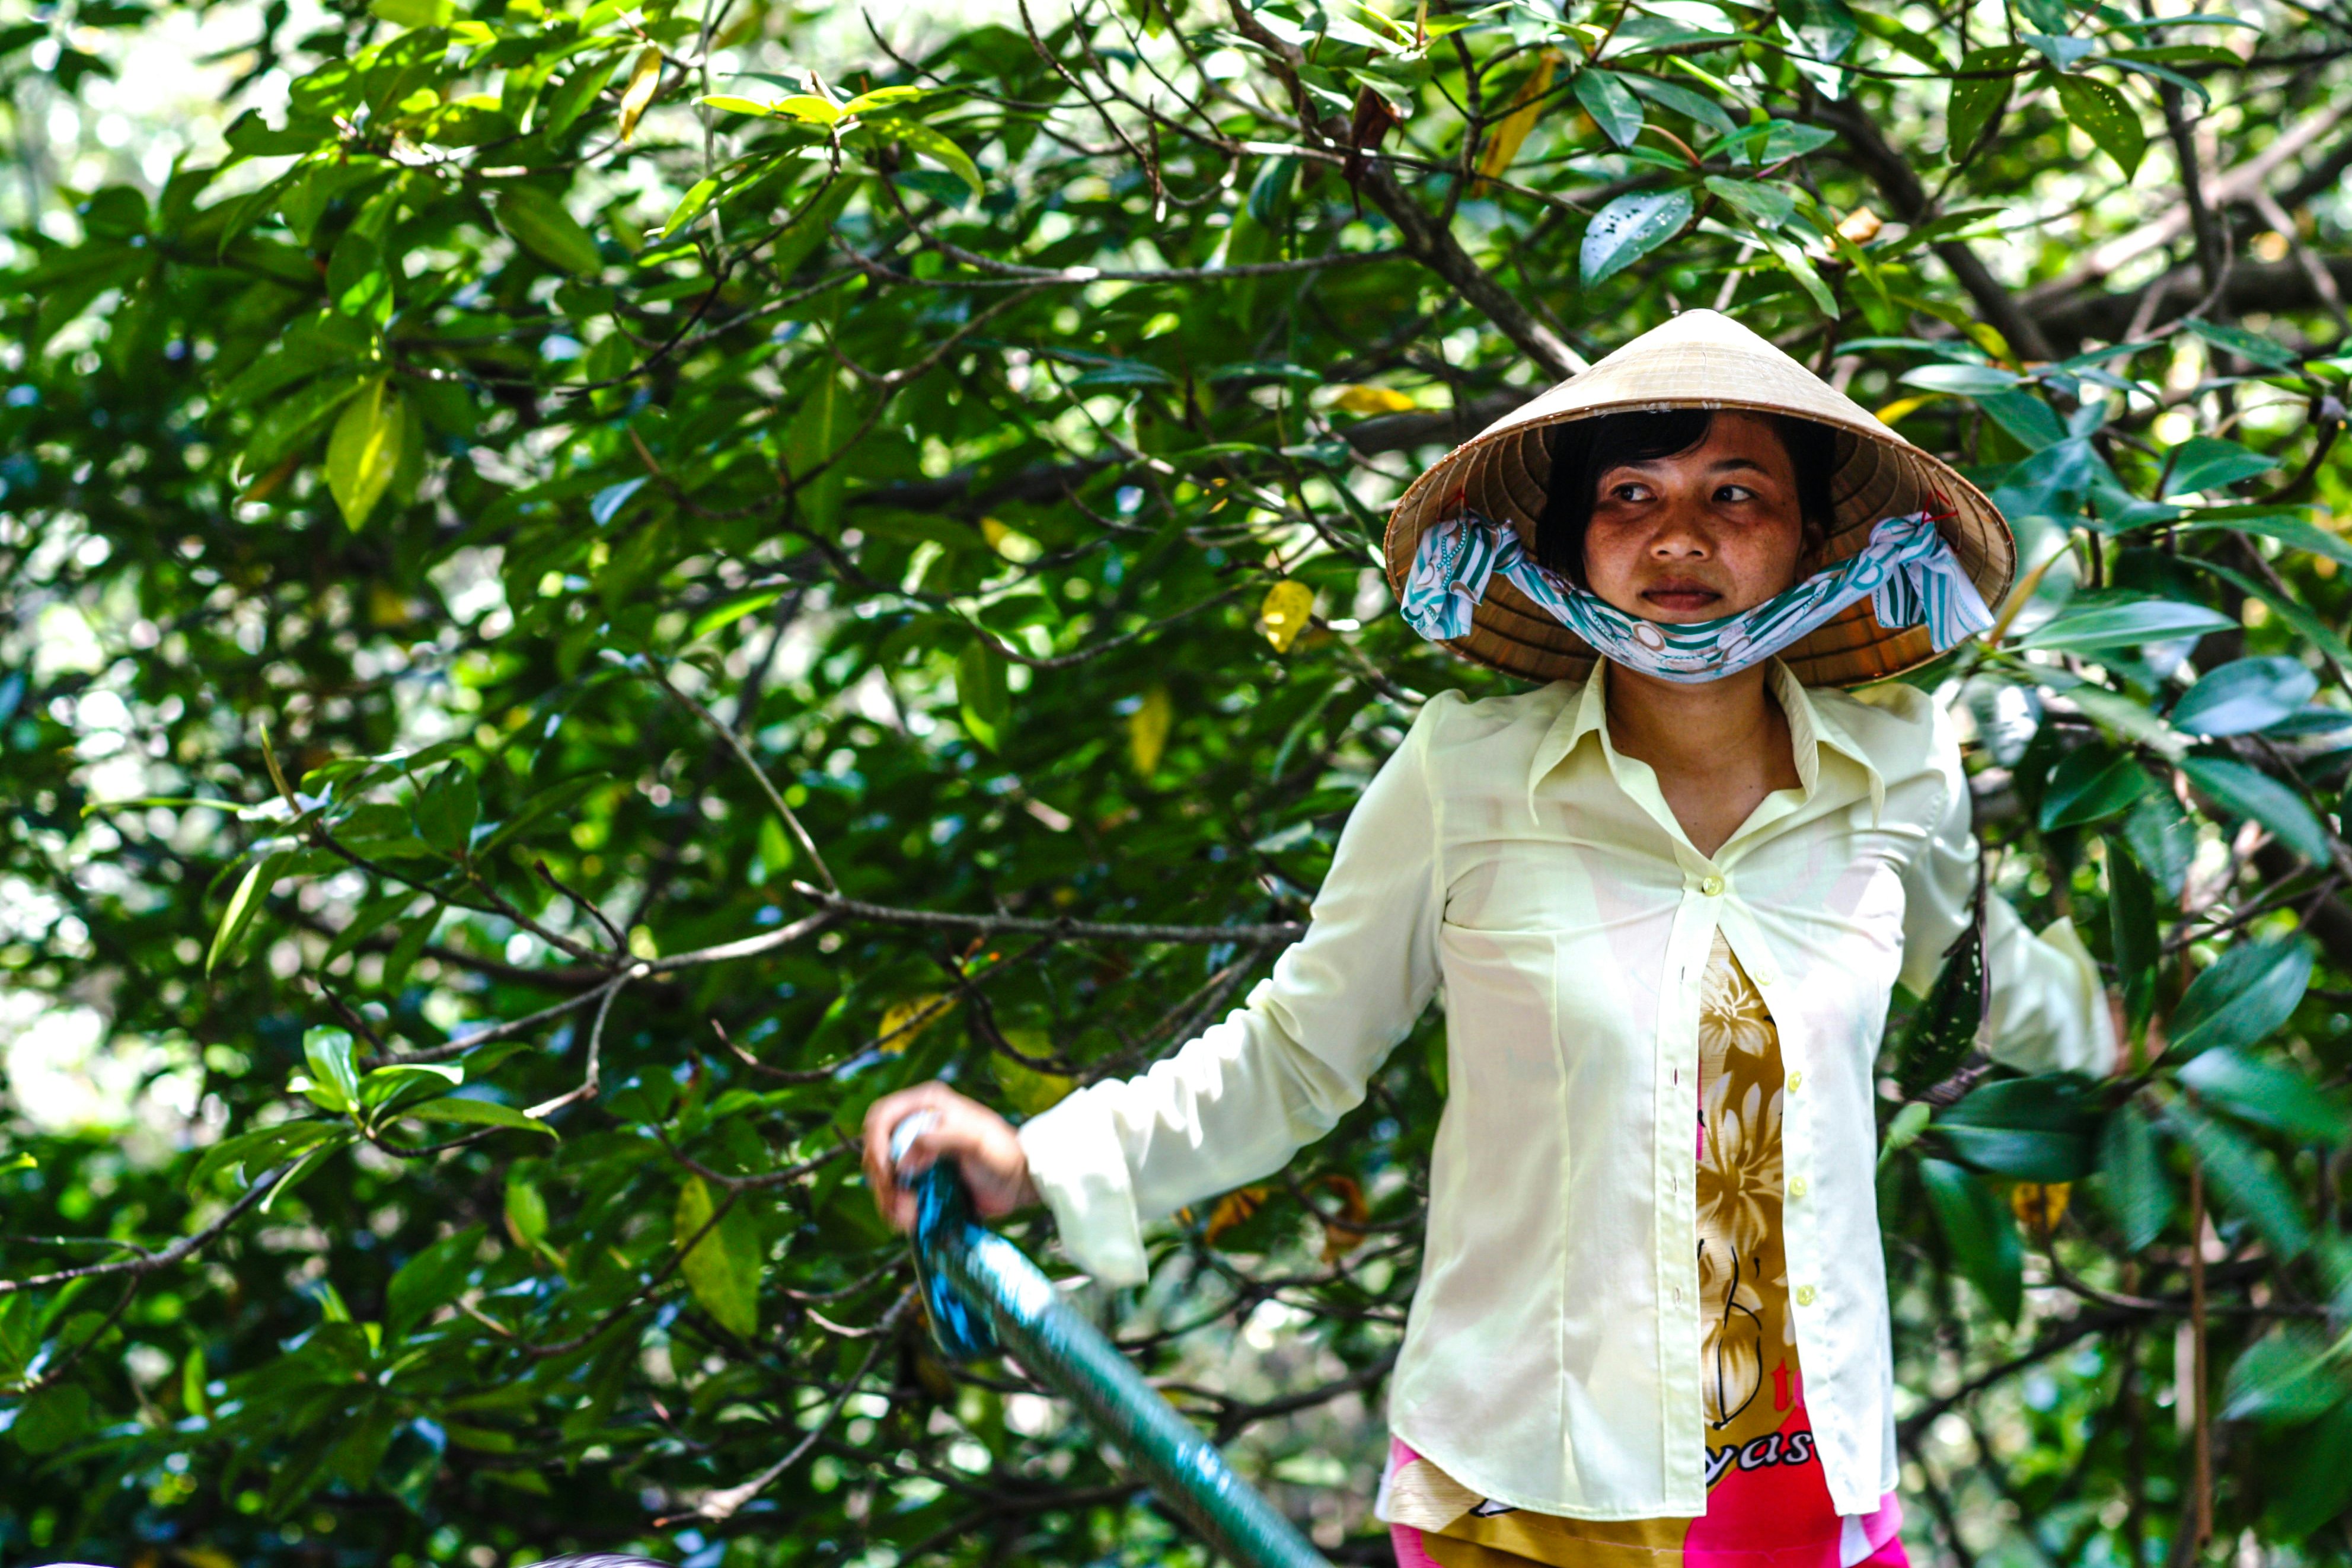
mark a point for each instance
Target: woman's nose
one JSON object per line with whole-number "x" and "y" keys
{"x": 1681, "y": 536}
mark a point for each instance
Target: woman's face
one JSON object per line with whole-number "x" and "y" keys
{"x": 1702, "y": 534}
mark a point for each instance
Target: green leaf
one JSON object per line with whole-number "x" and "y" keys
{"x": 724, "y": 1268}
{"x": 430, "y": 1278}
{"x": 2107, "y": 116}
{"x": 2133, "y": 1182}
{"x": 447, "y": 808}
{"x": 2206, "y": 463}
{"x": 690, "y": 206}
{"x": 1979, "y": 1229}
{"x": 2268, "y": 1095}
{"x": 2091, "y": 784}
{"x": 2095, "y": 620}
{"x": 2286, "y": 525}
{"x": 2138, "y": 943}
{"x": 52, "y": 1419}
{"x": 2039, "y": 1129}
{"x": 1978, "y": 96}
{"x": 292, "y": 421}
{"x": 244, "y": 904}
{"x": 555, "y": 798}
{"x": 251, "y": 1153}
{"x": 2247, "y": 1178}
{"x": 2239, "y": 997}
{"x": 1940, "y": 1034}
{"x": 526, "y": 1213}
{"x": 477, "y": 1113}
{"x": 2163, "y": 839}
{"x": 328, "y": 1053}
{"x": 931, "y": 144}
{"x": 2286, "y": 1377}
{"x": 1630, "y": 228}
{"x": 1611, "y": 103}
{"x": 2245, "y": 791}
{"x": 2025, "y": 417}
{"x": 981, "y": 692}
{"x": 364, "y": 452}
{"x": 413, "y": 13}
{"x": 2315, "y": 1484}
{"x": 567, "y": 102}
{"x": 2245, "y": 344}
{"x": 542, "y": 225}
{"x": 2245, "y": 695}
{"x": 1766, "y": 201}
{"x": 1967, "y": 381}
{"x": 1698, "y": 106}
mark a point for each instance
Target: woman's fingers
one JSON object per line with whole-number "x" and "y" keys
{"x": 980, "y": 1141}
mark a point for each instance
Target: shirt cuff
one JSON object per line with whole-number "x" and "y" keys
{"x": 1076, "y": 1161}
{"x": 2105, "y": 1051}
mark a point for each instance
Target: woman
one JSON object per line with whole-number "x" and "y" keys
{"x": 1667, "y": 894}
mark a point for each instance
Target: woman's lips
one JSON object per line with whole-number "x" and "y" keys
{"x": 1681, "y": 597}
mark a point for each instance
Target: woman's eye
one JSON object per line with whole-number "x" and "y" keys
{"x": 1735, "y": 493}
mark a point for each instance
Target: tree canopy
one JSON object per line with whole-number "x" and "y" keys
{"x": 585, "y": 597}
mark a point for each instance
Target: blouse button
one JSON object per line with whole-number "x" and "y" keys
{"x": 1804, "y": 1295}
{"x": 1796, "y": 1187}
{"x": 1712, "y": 886}
{"x": 1796, "y": 1080}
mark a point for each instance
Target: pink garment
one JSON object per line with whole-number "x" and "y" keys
{"x": 1767, "y": 1507}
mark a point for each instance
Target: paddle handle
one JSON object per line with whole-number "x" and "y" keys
{"x": 984, "y": 1294}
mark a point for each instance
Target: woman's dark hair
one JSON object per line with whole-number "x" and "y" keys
{"x": 1582, "y": 450}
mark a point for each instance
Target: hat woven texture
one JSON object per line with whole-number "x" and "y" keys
{"x": 1703, "y": 358}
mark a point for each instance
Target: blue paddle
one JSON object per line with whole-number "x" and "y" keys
{"x": 985, "y": 1296}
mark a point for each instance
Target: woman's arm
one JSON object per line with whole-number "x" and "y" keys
{"x": 2050, "y": 1008}
{"x": 1237, "y": 1100}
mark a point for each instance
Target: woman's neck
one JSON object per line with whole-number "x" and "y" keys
{"x": 1717, "y": 747}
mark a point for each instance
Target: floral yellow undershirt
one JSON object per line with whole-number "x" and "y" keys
{"x": 1767, "y": 1506}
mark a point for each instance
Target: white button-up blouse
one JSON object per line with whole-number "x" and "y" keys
{"x": 1509, "y": 851}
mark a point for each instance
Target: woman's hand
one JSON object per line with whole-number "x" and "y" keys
{"x": 984, "y": 1144}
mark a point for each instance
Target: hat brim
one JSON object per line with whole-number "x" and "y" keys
{"x": 1502, "y": 470}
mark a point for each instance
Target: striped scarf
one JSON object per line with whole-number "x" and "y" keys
{"x": 1907, "y": 572}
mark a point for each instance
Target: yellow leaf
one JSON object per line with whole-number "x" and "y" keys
{"x": 2039, "y": 1207}
{"x": 1290, "y": 606}
{"x": 1526, "y": 107}
{"x": 642, "y": 944}
{"x": 1233, "y": 1208}
{"x": 1029, "y": 1090}
{"x": 1860, "y": 225}
{"x": 1009, "y": 542}
{"x": 1147, "y": 730}
{"x": 1902, "y": 408}
{"x": 1343, "y": 1235}
{"x": 1373, "y": 400}
{"x": 644, "y": 81}
{"x": 387, "y": 606}
{"x": 906, "y": 1020}
{"x": 363, "y": 452}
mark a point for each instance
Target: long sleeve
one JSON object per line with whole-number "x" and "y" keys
{"x": 1278, "y": 1072}
{"x": 2049, "y": 1005}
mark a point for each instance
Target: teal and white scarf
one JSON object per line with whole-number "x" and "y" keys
{"x": 1907, "y": 572}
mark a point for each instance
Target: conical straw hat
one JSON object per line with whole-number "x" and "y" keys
{"x": 1703, "y": 358}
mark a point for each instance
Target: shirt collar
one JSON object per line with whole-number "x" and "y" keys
{"x": 1811, "y": 730}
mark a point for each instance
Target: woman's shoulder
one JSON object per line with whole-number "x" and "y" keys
{"x": 1457, "y": 719}
{"x": 1897, "y": 726}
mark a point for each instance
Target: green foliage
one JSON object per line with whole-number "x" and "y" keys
{"x": 488, "y": 557}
